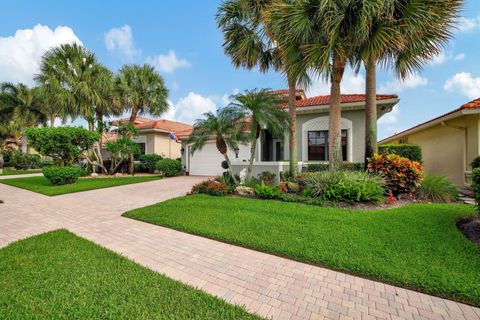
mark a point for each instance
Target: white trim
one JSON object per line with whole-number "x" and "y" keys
{"x": 321, "y": 123}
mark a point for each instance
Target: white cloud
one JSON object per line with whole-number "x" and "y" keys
{"x": 351, "y": 83}
{"x": 459, "y": 57}
{"x": 411, "y": 82}
{"x": 391, "y": 117}
{"x": 21, "y": 53}
{"x": 441, "y": 57}
{"x": 169, "y": 62}
{"x": 465, "y": 84}
{"x": 120, "y": 41}
{"x": 191, "y": 107}
{"x": 468, "y": 24}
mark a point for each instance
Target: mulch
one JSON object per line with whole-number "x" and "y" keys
{"x": 470, "y": 227}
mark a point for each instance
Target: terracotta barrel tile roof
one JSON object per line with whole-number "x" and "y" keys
{"x": 345, "y": 98}
{"x": 163, "y": 124}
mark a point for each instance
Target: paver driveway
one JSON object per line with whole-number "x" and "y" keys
{"x": 268, "y": 285}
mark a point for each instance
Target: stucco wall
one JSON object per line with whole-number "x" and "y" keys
{"x": 357, "y": 135}
{"x": 164, "y": 146}
{"x": 448, "y": 150}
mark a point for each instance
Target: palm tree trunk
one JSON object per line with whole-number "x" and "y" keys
{"x": 133, "y": 118}
{"x": 292, "y": 111}
{"x": 335, "y": 115}
{"x": 253, "y": 149}
{"x": 370, "y": 111}
{"x": 52, "y": 120}
{"x": 227, "y": 158}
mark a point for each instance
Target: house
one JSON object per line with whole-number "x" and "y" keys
{"x": 312, "y": 137}
{"x": 156, "y": 136}
{"x": 449, "y": 142}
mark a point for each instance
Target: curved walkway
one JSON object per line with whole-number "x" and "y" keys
{"x": 270, "y": 286}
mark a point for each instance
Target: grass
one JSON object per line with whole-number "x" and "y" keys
{"x": 416, "y": 246}
{"x": 58, "y": 275}
{"x": 43, "y": 186}
{"x": 9, "y": 172}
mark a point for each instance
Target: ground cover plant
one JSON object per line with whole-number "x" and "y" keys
{"x": 44, "y": 186}
{"x": 8, "y": 172}
{"x": 415, "y": 246}
{"x": 58, "y": 275}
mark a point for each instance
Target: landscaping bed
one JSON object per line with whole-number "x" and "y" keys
{"x": 43, "y": 186}
{"x": 415, "y": 246}
{"x": 470, "y": 227}
{"x": 58, "y": 275}
{"x": 9, "y": 172}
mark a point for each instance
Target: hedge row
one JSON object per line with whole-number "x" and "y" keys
{"x": 410, "y": 151}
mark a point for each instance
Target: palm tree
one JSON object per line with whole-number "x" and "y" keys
{"x": 224, "y": 126}
{"x": 141, "y": 89}
{"x": 261, "y": 109}
{"x": 76, "y": 82}
{"x": 251, "y": 42}
{"x": 406, "y": 34}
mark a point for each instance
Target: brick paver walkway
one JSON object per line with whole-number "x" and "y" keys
{"x": 270, "y": 286}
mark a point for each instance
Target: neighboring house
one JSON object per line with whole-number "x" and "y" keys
{"x": 449, "y": 142}
{"x": 312, "y": 137}
{"x": 156, "y": 136}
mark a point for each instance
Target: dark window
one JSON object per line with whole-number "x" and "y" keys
{"x": 318, "y": 145}
{"x": 141, "y": 151}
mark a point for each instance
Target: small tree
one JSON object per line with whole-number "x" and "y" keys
{"x": 123, "y": 148}
{"x": 65, "y": 145}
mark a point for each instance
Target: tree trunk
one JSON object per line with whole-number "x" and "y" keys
{"x": 292, "y": 111}
{"x": 133, "y": 118}
{"x": 370, "y": 111}
{"x": 52, "y": 121}
{"x": 253, "y": 148}
{"x": 335, "y": 116}
{"x": 230, "y": 167}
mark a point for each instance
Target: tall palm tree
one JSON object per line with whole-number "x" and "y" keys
{"x": 77, "y": 83}
{"x": 224, "y": 126}
{"x": 405, "y": 34}
{"x": 325, "y": 31}
{"x": 260, "y": 107}
{"x": 251, "y": 42}
{"x": 141, "y": 90}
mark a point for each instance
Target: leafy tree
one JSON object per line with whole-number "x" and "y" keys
{"x": 65, "y": 145}
{"x": 123, "y": 147}
{"x": 260, "y": 107}
{"x": 141, "y": 90}
{"x": 224, "y": 127}
{"x": 251, "y": 41}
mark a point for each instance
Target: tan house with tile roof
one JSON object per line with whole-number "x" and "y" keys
{"x": 449, "y": 142}
{"x": 312, "y": 137}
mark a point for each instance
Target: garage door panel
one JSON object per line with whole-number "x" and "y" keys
{"x": 206, "y": 162}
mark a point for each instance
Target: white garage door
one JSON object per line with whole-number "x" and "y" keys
{"x": 206, "y": 162}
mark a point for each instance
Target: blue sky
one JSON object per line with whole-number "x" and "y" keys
{"x": 181, "y": 39}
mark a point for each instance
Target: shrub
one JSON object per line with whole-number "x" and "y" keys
{"x": 437, "y": 189}
{"x": 267, "y": 177}
{"x": 62, "y": 175}
{"x": 7, "y": 157}
{"x": 402, "y": 176}
{"x": 149, "y": 161}
{"x": 212, "y": 187}
{"x": 475, "y": 163}
{"x": 353, "y": 166}
{"x": 65, "y": 145}
{"x": 409, "y": 151}
{"x": 476, "y": 186}
{"x": 266, "y": 191}
{"x": 345, "y": 185}
{"x": 24, "y": 161}
{"x": 169, "y": 167}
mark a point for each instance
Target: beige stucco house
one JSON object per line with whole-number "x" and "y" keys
{"x": 449, "y": 142}
{"x": 157, "y": 136}
{"x": 312, "y": 137}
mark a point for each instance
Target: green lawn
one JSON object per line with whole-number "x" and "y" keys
{"x": 8, "y": 172}
{"x": 417, "y": 246}
{"x": 42, "y": 185}
{"x": 58, "y": 275}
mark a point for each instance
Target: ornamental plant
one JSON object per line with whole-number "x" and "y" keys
{"x": 169, "y": 167}
{"x": 211, "y": 187}
{"x": 402, "y": 176}
{"x": 62, "y": 175}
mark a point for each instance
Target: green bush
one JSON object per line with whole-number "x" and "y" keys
{"x": 212, "y": 187}
{"x": 149, "y": 161}
{"x": 476, "y": 186}
{"x": 409, "y": 151}
{"x": 23, "y": 161}
{"x": 62, "y": 175}
{"x": 7, "y": 157}
{"x": 169, "y": 167}
{"x": 266, "y": 191}
{"x": 353, "y": 166}
{"x": 437, "y": 189}
{"x": 345, "y": 185}
{"x": 267, "y": 177}
{"x": 475, "y": 163}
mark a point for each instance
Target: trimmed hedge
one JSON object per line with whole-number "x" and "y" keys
{"x": 169, "y": 167}
{"x": 409, "y": 151}
{"x": 352, "y": 166}
{"x": 149, "y": 161}
{"x": 62, "y": 175}
{"x": 476, "y": 186}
